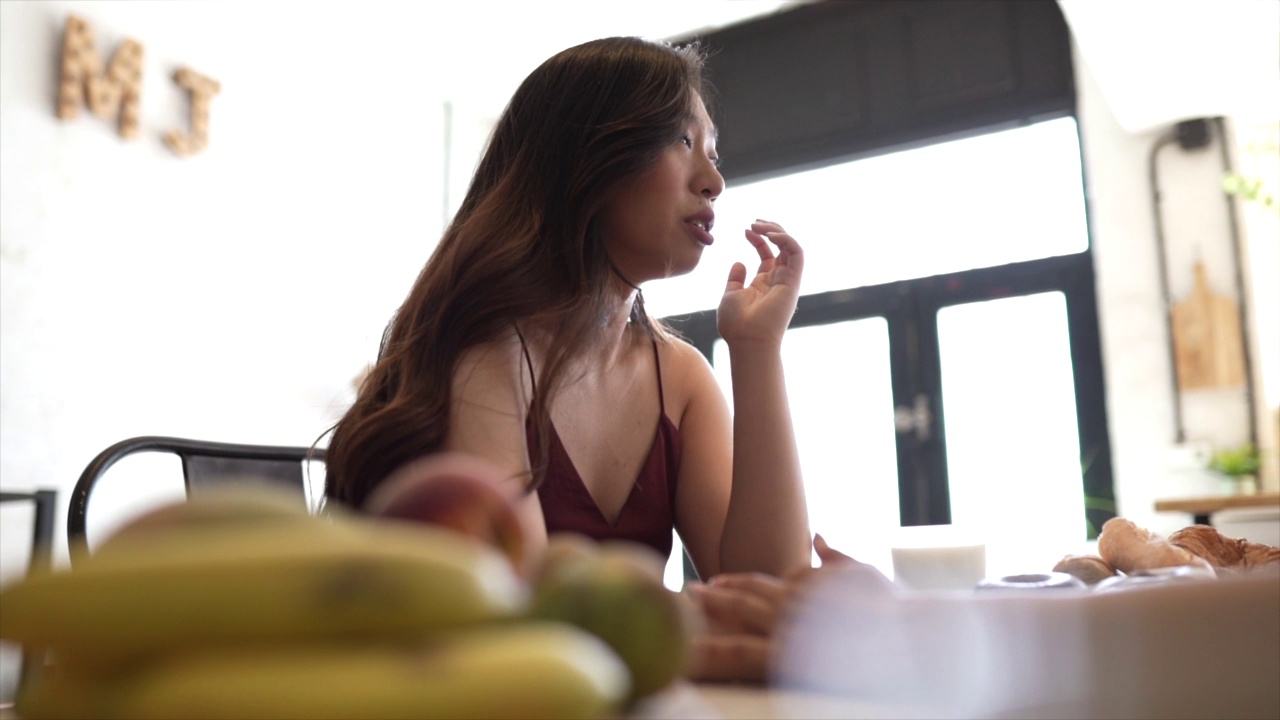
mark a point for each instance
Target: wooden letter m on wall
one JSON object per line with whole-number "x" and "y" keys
{"x": 118, "y": 91}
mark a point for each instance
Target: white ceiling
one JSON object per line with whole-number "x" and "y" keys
{"x": 1161, "y": 61}
{"x": 494, "y": 43}
{"x": 470, "y": 51}
{"x": 1156, "y": 61}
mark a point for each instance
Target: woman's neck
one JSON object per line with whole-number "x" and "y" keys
{"x": 615, "y": 336}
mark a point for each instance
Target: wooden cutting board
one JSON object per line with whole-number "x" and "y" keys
{"x": 1208, "y": 345}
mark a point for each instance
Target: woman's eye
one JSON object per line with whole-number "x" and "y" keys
{"x": 715, "y": 160}
{"x": 688, "y": 141}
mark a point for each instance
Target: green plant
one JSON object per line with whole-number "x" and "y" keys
{"x": 1264, "y": 150}
{"x": 1235, "y": 462}
{"x": 1252, "y": 190}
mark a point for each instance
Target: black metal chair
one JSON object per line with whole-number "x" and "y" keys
{"x": 45, "y": 503}
{"x": 203, "y": 464}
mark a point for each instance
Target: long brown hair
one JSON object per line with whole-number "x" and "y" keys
{"x": 523, "y": 250}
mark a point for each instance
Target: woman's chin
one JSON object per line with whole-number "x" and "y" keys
{"x": 684, "y": 266}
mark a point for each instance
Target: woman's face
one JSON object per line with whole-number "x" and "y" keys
{"x": 657, "y": 224}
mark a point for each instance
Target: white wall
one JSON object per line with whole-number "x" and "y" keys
{"x": 1135, "y": 335}
{"x": 234, "y": 295}
{"x": 231, "y": 295}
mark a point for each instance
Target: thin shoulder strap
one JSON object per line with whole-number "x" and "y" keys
{"x": 662, "y": 403}
{"x": 533, "y": 379}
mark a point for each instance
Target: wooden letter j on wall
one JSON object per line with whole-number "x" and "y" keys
{"x": 202, "y": 90}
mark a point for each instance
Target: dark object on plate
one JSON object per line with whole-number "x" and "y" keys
{"x": 1035, "y": 582}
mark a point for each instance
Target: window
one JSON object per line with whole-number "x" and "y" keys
{"x": 943, "y": 362}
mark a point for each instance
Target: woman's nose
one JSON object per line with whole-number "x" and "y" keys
{"x": 714, "y": 185}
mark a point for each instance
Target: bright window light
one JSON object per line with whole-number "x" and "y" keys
{"x": 978, "y": 202}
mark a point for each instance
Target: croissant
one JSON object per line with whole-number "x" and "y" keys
{"x": 1223, "y": 552}
{"x": 1091, "y": 569}
{"x": 1129, "y": 548}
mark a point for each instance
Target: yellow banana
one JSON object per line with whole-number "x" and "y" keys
{"x": 58, "y": 695}
{"x": 262, "y": 583}
{"x": 235, "y": 502}
{"x": 530, "y": 670}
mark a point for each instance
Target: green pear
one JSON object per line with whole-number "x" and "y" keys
{"x": 617, "y": 594}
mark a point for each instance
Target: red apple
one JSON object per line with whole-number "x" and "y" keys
{"x": 459, "y": 492}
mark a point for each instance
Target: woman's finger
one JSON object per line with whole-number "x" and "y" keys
{"x": 761, "y": 244}
{"x": 736, "y": 610}
{"x": 737, "y": 277}
{"x": 765, "y": 586}
{"x": 826, "y": 553}
{"x": 730, "y": 658}
{"x": 789, "y": 251}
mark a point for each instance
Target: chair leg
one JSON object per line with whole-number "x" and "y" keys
{"x": 33, "y": 668}
{"x": 34, "y": 660}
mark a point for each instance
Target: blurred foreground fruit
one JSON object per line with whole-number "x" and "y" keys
{"x": 564, "y": 551}
{"x": 530, "y": 670}
{"x": 455, "y": 491}
{"x": 233, "y": 606}
{"x": 261, "y": 583}
{"x": 617, "y": 593}
{"x": 234, "y": 504}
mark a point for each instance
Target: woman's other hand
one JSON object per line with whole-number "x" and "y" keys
{"x": 741, "y": 614}
{"x": 759, "y": 312}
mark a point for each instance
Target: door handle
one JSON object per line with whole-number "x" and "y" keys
{"x": 917, "y": 417}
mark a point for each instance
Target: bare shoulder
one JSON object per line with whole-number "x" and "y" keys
{"x": 490, "y": 398}
{"x": 682, "y": 355}
{"x": 686, "y": 373}
{"x": 492, "y": 374}
{"x": 488, "y": 404}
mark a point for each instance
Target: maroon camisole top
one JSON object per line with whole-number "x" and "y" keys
{"x": 647, "y": 516}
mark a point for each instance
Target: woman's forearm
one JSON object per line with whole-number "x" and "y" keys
{"x": 767, "y": 526}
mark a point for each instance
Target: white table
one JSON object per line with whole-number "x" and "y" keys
{"x": 687, "y": 701}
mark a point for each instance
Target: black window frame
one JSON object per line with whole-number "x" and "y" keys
{"x": 897, "y": 75}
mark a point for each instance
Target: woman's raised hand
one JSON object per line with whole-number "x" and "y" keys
{"x": 760, "y": 311}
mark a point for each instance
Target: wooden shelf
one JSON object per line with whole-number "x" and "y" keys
{"x": 1203, "y": 507}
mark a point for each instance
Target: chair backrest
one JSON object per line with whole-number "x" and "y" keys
{"x": 45, "y": 501}
{"x": 203, "y": 464}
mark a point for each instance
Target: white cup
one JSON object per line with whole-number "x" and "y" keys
{"x": 938, "y": 557}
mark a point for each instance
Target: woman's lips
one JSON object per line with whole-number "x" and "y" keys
{"x": 702, "y": 222}
{"x": 699, "y": 232}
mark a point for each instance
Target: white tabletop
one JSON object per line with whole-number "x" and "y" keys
{"x": 687, "y": 701}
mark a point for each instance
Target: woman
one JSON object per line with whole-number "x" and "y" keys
{"x": 524, "y": 339}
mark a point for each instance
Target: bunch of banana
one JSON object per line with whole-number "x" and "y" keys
{"x": 231, "y": 606}
{"x": 524, "y": 670}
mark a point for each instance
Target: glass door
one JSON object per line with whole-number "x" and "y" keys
{"x": 841, "y": 397}
{"x": 1012, "y": 449}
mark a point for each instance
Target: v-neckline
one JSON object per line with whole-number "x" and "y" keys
{"x": 579, "y": 485}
